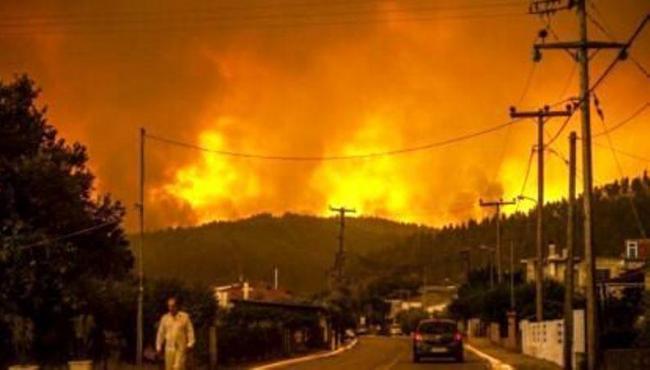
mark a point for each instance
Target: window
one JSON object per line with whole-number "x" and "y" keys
{"x": 632, "y": 250}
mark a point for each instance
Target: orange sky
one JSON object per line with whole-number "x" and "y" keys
{"x": 316, "y": 78}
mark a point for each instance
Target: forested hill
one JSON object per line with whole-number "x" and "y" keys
{"x": 303, "y": 248}
{"x": 437, "y": 256}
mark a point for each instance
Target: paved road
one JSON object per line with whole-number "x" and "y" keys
{"x": 383, "y": 353}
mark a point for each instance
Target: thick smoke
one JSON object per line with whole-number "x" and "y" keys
{"x": 280, "y": 77}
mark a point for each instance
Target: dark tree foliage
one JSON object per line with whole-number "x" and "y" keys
{"x": 619, "y": 318}
{"x": 249, "y": 333}
{"x": 491, "y": 305}
{"x": 46, "y": 191}
{"x": 436, "y": 254}
{"x": 408, "y": 320}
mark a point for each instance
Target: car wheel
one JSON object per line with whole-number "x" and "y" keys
{"x": 460, "y": 357}
{"x": 416, "y": 358}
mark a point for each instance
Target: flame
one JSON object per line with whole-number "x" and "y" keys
{"x": 371, "y": 186}
{"x": 212, "y": 182}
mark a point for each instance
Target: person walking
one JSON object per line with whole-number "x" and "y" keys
{"x": 176, "y": 333}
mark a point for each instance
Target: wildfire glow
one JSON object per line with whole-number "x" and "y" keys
{"x": 374, "y": 186}
{"x": 386, "y": 75}
{"x": 212, "y": 182}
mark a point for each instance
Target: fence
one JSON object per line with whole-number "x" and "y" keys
{"x": 545, "y": 340}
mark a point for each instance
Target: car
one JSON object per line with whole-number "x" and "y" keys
{"x": 395, "y": 330}
{"x": 437, "y": 338}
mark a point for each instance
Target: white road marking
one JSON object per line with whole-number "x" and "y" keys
{"x": 495, "y": 363}
{"x": 316, "y": 356}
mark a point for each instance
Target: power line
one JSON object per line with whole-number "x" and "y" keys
{"x": 623, "y": 122}
{"x": 567, "y": 83}
{"x": 280, "y": 11}
{"x": 529, "y": 166}
{"x": 506, "y": 138}
{"x": 635, "y": 212}
{"x": 221, "y": 23}
{"x": 610, "y": 35}
{"x": 622, "y": 53}
{"x": 70, "y": 235}
{"x": 624, "y": 153}
{"x": 370, "y": 155}
{"x": 527, "y": 83}
{"x": 557, "y": 134}
{"x": 526, "y": 176}
{"x": 601, "y": 78}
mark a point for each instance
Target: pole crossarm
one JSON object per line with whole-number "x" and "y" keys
{"x": 545, "y": 112}
{"x": 547, "y": 7}
{"x": 500, "y": 202}
{"x": 579, "y": 45}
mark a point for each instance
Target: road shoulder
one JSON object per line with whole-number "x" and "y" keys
{"x": 311, "y": 357}
{"x": 506, "y": 359}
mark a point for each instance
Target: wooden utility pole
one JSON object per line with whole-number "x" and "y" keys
{"x": 593, "y": 332}
{"x": 541, "y": 115}
{"x": 140, "y": 206}
{"x": 512, "y": 275}
{"x": 497, "y": 206}
{"x": 340, "y": 255}
{"x": 570, "y": 246}
{"x": 581, "y": 49}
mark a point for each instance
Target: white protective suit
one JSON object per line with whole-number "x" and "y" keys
{"x": 177, "y": 334}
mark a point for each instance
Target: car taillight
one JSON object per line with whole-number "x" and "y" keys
{"x": 458, "y": 337}
{"x": 417, "y": 337}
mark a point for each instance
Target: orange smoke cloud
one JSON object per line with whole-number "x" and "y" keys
{"x": 369, "y": 77}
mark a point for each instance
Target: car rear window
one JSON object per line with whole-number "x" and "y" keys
{"x": 437, "y": 327}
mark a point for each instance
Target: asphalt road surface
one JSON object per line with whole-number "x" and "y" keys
{"x": 384, "y": 353}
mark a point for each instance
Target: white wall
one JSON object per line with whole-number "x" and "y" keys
{"x": 545, "y": 340}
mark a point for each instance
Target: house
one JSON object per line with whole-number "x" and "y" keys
{"x": 612, "y": 273}
{"x": 245, "y": 290}
{"x": 263, "y": 296}
{"x": 556, "y": 262}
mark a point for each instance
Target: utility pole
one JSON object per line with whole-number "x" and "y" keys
{"x": 512, "y": 275}
{"x": 276, "y": 278}
{"x": 497, "y": 205}
{"x": 340, "y": 255}
{"x": 140, "y": 207}
{"x": 582, "y": 48}
{"x": 541, "y": 115}
{"x": 570, "y": 245}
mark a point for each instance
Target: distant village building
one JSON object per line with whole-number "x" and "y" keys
{"x": 431, "y": 298}
{"x": 612, "y": 273}
{"x": 253, "y": 291}
{"x": 264, "y": 295}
